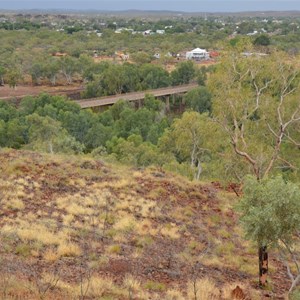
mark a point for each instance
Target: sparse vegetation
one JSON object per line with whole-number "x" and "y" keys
{"x": 139, "y": 236}
{"x": 149, "y": 199}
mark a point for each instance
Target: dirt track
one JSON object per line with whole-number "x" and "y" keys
{"x": 7, "y": 93}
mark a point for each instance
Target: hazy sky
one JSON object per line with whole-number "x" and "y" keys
{"x": 188, "y": 6}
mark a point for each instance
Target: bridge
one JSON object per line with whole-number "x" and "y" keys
{"x": 136, "y": 96}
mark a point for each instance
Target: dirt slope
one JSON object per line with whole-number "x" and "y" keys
{"x": 74, "y": 227}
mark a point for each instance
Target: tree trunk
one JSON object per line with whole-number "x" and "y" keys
{"x": 50, "y": 147}
{"x": 263, "y": 265}
{"x": 53, "y": 80}
{"x": 199, "y": 171}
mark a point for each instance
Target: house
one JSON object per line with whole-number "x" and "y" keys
{"x": 147, "y": 32}
{"x": 197, "y": 54}
{"x": 160, "y": 31}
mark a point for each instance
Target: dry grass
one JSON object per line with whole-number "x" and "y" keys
{"x": 170, "y": 231}
{"x": 96, "y": 287}
{"x": 68, "y": 249}
{"x": 51, "y": 255}
{"x": 174, "y": 294}
{"x": 126, "y": 224}
{"x": 115, "y": 216}
{"x": 36, "y": 232}
{"x": 203, "y": 289}
{"x": 131, "y": 283}
{"x": 15, "y": 204}
{"x": 247, "y": 290}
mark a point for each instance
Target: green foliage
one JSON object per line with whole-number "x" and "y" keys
{"x": 153, "y": 77}
{"x": 184, "y": 73}
{"x": 152, "y": 104}
{"x": 202, "y": 75}
{"x": 198, "y": 99}
{"x": 256, "y": 104}
{"x": 155, "y": 286}
{"x": 2, "y": 133}
{"x": 295, "y": 295}
{"x": 270, "y": 210}
{"x": 13, "y": 77}
{"x": 262, "y": 40}
{"x": 47, "y": 135}
{"x": 141, "y": 58}
{"x": 110, "y": 79}
{"x": 190, "y": 140}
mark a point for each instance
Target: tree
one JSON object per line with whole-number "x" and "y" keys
{"x": 36, "y": 72}
{"x": 2, "y": 73}
{"x": 189, "y": 139}
{"x": 98, "y": 135}
{"x": 16, "y": 133}
{"x": 141, "y": 58}
{"x": 68, "y": 66}
{"x": 202, "y": 75}
{"x": 51, "y": 69}
{"x": 271, "y": 217}
{"x": 13, "y": 77}
{"x": 262, "y": 40}
{"x": 255, "y": 102}
{"x": 184, "y": 73}
{"x": 2, "y": 133}
{"x": 46, "y": 134}
{"x": 153, "y": 77}
{"x": 198, "y": 99}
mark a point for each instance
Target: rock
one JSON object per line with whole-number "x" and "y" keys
{"x": 238, "y": 294}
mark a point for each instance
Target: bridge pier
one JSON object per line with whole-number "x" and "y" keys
{"x": 140, "y": 103}
{"x": 167, "y": 104}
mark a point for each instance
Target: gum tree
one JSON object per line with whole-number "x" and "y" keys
{"x": 271, "y": 217}
{"x": 256, "y": 103}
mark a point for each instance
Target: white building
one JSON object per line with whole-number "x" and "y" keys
{"x": 197, "y": 54}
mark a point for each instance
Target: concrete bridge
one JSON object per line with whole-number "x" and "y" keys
{"x": 136, "y": 96}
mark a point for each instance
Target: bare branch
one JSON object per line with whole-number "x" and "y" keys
{"x": 288, "y": 163}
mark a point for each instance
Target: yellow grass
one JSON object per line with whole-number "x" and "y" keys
{"x": 68, "y": 249}
{"x": 15, "y": 204}
{"x": 51, "y": 255}
{"x": 126, "y": 223}
{"x": 36, "y": 232}
{"x": 174, "y": 294}
{"x": 130, "y": 282}
{"x": 170, "y": 231}
{"x": 205, "y": 289}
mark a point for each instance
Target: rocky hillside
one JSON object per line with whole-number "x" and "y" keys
{"x": 78, "y": 228}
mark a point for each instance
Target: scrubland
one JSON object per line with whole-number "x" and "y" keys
{"x": 77, "y": 228}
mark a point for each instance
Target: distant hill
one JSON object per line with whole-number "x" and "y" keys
{"x": 158, "y": 13}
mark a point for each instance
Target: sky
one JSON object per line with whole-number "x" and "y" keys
{"x": 185, "y": 6}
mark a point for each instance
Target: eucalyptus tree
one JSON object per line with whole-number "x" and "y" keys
{"x": 256, "y": 103}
